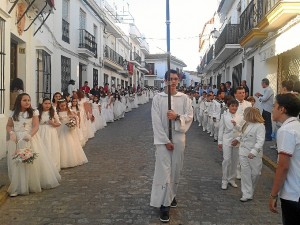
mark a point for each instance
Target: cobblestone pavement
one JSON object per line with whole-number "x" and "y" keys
{"x": 114, "y": 187}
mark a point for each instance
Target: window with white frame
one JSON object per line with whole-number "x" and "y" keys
{"x": 43, "y": 71}
{"x": 65, "y": 73}
{"x": 65, "y": 21}
{"x": 82, "y": 19}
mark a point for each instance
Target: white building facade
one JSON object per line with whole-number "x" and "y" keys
{"x": 157, "y": 67}
{"x": 73, "y": 39}
{"x": 254, "y": 40}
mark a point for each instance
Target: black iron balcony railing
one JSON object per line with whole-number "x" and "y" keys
{"x": 210, "y": 54}
{"x": 203, "y": 61}
{"x": 65, "y": 31}
{"x": 254, "y": 13}
{"x": 264, "y": 6}
{"x": 87, "y": 40}
{"x": 136, "y": 57}
{"x": 229, "y": 35}
{"x": 248, "y": 19}
{"x": 113, "y": 56}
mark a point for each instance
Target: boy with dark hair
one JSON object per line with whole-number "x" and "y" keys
{"x": 229, "y": 127}
{"x": 287, "y": 176}
{"x": 169, "y": 153}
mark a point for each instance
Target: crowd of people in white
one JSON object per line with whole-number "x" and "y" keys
{"x": 47, "y": 139}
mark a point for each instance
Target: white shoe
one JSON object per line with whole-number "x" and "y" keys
{"x": 244, "y": 199}
{"x": 208, "y": 132}
{"x": 199, "y": 125}
{"x": 224, "y": 186}
{"x": 13, "y": 194}
{"x": 233, "y": 184}
{"x": 211, "y": 135}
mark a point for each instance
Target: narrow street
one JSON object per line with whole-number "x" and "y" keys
{"x": 114, "y": 187}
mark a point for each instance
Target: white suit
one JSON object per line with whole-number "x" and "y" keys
{"x": 217, "y": 105}
{"x": 227, "y": 133}
{"x": 168, "y": 164}
{"x": 201, "y": 110}
{"x": 251, "y": 141}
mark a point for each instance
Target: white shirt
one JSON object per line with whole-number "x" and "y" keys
{"x": 288, "y": 142}
{"x": 227, "y": 131}
{"x": 71, "y": 88}
{"x": 267, "y": 99}
{"x": 181, "y": 104}
{"x": 217, "y": 105}
{"x": 242, "y": 106}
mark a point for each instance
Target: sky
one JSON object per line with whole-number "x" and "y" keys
{"x": 187, "y": 20}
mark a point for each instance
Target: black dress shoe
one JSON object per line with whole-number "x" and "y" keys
{"x": 174, "y": 203}
{"x": 164, "y": 214}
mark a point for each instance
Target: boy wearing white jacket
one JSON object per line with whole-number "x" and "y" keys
{"x": 229, "y": 128}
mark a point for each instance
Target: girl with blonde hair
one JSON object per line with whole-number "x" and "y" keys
{"x": 251, "y": 142}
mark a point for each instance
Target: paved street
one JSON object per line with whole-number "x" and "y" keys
{"x": 114, "y": 187}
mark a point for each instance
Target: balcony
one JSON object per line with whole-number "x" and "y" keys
{"x": 250, "y": 34}
{"x": 32, "y": 10}
{"x": 65, "y": 31}
{"x": 144, "y": 67}
{"x": 228, "y": 42}
{"x": 211, "y": 62}
{"x": 276, "y": 13}
{"x": 112, "y": 59}
{"x": 135, "y": 34}
{"x": 135, "y": 58}
{"x": 87, "y": 45}
{"x": 145, "y": 47}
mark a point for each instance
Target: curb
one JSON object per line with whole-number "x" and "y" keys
{"x": 269, "y": 163}
{"x": 3, "y": 194}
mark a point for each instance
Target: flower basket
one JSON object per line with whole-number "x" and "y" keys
{"x": 24, "y": 153}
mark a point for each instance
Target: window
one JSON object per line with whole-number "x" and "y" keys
{"x": 95, "y": 77}
{"x": 65, "y": 21}
{"x": 237, "y": 76}
{"x": 82, "y": 19}
{"x": 95, "y": 40}
{"x": 65, "y": 72}
{"x": 2, "y": 57}
{"x": 43, "y": 72}
{"x": 105, "y": 78}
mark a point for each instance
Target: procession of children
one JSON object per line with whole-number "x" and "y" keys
{"x": 45, "y": 140}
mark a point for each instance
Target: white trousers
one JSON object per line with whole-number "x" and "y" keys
{"x": 211, "y": 125}
{"x": 168, "y": 166}
{"x": 205, "y": 122}
{"x": 216, "y": 129}
{"x": 196, "y": 114}
{"x": 201, "y": 115}
{"x": 250, "y": 171}
{"x": 230, "y": 160}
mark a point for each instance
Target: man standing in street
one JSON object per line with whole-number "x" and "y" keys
{"x": 287, "y": 177}
{"x": 266, "y": 99}
{"x": 86, "y": 87}
{"x": 229, "y": 89}
{"x": 169, "y": 153}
